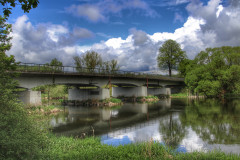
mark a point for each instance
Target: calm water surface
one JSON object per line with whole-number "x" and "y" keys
{"x": 186, "y": 125}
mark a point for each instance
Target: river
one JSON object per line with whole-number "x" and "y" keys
{"x": 184, "y": 124}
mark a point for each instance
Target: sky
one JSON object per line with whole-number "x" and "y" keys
{"x": 130, "y": 31}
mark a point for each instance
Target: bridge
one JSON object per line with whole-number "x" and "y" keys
{"x": 95, "y": 80}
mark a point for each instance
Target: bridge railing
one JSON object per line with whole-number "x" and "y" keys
{"x": 31, "y": 67}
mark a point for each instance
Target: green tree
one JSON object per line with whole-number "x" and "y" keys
{"x": 19, "y": 137}
{"x": 7, "y": 84}
{"x": 184, "y": 66}
{"x": 26, "y": 5}
{"x": 110, "y": 66}
{"x": 55, "y": 64}
{"x": 90, "y": 60}
{"x": 170, "y": 55}
{"x": 215, "y": 72}
{"x": 114, "y": 66}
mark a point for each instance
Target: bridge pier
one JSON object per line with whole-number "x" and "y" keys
{"x": 32, "y": 98}
{"x": 86, "y": 94}
{"x": 129, "y": 91}
{"x": 159, "y": 91}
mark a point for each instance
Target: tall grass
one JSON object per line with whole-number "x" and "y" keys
{"x": 91, "y": 148}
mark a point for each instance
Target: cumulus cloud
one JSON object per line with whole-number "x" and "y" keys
{"x": 43, "y": 42}
{"x": 222, "y": 24}
{"x": 99, "y": 11}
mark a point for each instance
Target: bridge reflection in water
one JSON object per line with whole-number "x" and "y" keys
{"x": 185, "y": 125}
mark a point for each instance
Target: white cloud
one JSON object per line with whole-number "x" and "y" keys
{"x": 96, "y": 12}
{"x": 90, "y": 12}
{"x": 210, "y": 25}
{"x": 43, "y": 42}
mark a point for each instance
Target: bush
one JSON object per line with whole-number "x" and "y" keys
{"x": 19, "y": 137}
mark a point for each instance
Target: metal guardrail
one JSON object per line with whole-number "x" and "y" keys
{"x": 45, "y": 68}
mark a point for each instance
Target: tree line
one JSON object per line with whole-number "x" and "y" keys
{"x": 214, "y": 72}
{"x": 90, "y": 61}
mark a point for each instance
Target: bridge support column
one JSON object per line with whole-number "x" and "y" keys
{"x": 129, "y": 91}
{"x": 85, "y": 94}
{"x": 159, "y": 91}
{"x": 32, "y": 98}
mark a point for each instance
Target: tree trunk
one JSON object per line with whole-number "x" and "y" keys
{"x": 169, "y": 69}
{"x": 170, "y": 72}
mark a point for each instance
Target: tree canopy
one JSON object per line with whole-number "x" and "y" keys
{"x": 55, "y": 64}
{"x": 170, "y": 55}
{"x": 215, "y": 72}
{"x": 26, "y": 5}
{"x": 92, "y": 60}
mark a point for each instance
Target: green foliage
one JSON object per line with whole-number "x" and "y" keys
{"x": 215, "y": 71}
{"x": 26, "y": 5}
{"x": 170, "y": 55}
{"x": 91, "y": 61}
{"x": 54, "y": 90}
{"x": 55, "y": 65}
{"x": 19, "y": 136}
{"x": 113, "y": 100}
{"x": 184, "y": 66}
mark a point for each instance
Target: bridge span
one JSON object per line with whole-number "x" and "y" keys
{"x": 127, "y": 84}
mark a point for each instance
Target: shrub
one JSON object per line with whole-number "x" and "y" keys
{"x": 19, "y": 137}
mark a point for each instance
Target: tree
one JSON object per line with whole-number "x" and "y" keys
{"x": 170, "y": 55}
{"x": 27, "y": 5}
{"x": 184, "y": 67}
{"x": 114, "y": 66}
{"x": 215, "y": 72}
{"x": 110, "y": 66}
{"x": 7, "y": 84}
{"x": 92, "y": 60}
{"x": 19, "y": 138}
{"x": 56, "y": 65}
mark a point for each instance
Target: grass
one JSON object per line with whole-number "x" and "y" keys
{"x": 179, "y": 95}
{"x": 91, "y": 148}
{"x": 147, "y": 99}
{"x": 113, "y": 100}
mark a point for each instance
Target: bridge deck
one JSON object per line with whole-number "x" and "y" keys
{"x": 47, "y": 70}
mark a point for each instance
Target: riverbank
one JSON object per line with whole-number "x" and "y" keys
{"x": 185, "y": 95}
{"x": 43, "y": 109}
{"x": 109, "y": 102}
{"x": 91, "y": 148}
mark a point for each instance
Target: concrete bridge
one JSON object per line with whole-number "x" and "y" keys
{"x": 127, "y": 84}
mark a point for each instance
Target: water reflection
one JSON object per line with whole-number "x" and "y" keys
{"x": 185, "y": 125}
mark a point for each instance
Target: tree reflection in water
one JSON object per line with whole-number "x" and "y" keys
{"x": 172, "y": 131}
{"x": 214, "y": 121}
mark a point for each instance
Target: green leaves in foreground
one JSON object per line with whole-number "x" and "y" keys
{"x": 19, "y": 136}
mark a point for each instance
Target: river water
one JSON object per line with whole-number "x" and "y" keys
{"x": 184, "y": 124}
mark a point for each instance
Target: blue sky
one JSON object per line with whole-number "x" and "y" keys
{"x": 130, "y": 31}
